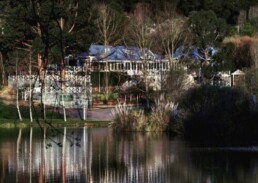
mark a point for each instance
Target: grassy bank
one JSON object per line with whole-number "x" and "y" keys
{"x": 4, "y": 123}
{"x": 9, "y": 118}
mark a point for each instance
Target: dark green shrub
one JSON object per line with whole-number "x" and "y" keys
{"x": 215, "y": 113}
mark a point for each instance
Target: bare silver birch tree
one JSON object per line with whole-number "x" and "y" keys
{"x": 29, "y": 50}
{"x": 17, "y": 89}
{"x": 170, "y": 29}
{"x": 2, "y": 68}
{"x": 30, "y": 89}
{"x": 141, "y": 36}
{"x": 110, "y": 26}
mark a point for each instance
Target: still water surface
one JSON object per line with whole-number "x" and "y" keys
{"x": 97, "y": 155}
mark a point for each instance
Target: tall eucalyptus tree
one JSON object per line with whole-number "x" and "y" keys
{"x": 49, "y": 28}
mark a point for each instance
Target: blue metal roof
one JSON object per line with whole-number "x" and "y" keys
{"x": 134, "y": 53}
{"x": 83, "y": 55}
{"x": 178, "y": 53}
{"x": 193, "y": 53}
{"x": 120, "y": 53}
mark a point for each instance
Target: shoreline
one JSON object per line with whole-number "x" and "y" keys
{"x": 95, "y": 117}
{"x": 55, "y": 123}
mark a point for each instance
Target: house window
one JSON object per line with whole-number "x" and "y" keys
{"x": 127, "y": 66}
{"x": 139, "y": 66}
{"x": 157, "y": 64}
{"x": 120, "y": 66}
{"x": 102, "y": 66}
{"x": 163, "y": 66}
{"x": 151, "y": 66}
{"x": 134, "y": 66}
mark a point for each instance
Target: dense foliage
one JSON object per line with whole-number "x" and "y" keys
{"x": 52, "y": 29}
{"x": 208, "y": 30}
{"x": 218, "y": 113}
{"x": 59, "y": 28}
{"x": 162, "y": 118}
{"x": 49, "y": 30}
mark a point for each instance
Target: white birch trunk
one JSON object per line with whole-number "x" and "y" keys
{"x": 18, "y": 153}
{"x": 2, "y": 68}
{"x": 30, "y": 95}
{"x": 64, "y": 111}
{"x": 84, "y": 112}
{"x": 17, "y": 93}
{"x": 30, "y": 154}
{"x": 64, "y": 157}
{"x": 44, "y": 105}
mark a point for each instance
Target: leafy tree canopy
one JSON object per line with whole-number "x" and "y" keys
{"x": 207, "y": 28}
{"x": 208, "y": 32}
{"x": 225, "y": 58}
{"x": 228, "y": 10}
{"x": 38, "y": 23}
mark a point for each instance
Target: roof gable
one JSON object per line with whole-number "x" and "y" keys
{"x": 120, "y": 53}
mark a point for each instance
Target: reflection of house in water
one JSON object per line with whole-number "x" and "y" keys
{"x": 103, "y": 156}
{"x": 35, "y": 159}
{"x": 99, "y": 157}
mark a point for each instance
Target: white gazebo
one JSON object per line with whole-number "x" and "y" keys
{"x": 236, "y": 76}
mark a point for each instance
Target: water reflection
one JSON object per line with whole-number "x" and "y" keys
{"x": 98, "y": 155}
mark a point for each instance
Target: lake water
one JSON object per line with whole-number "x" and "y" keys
{"x": 97, "y": 155}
